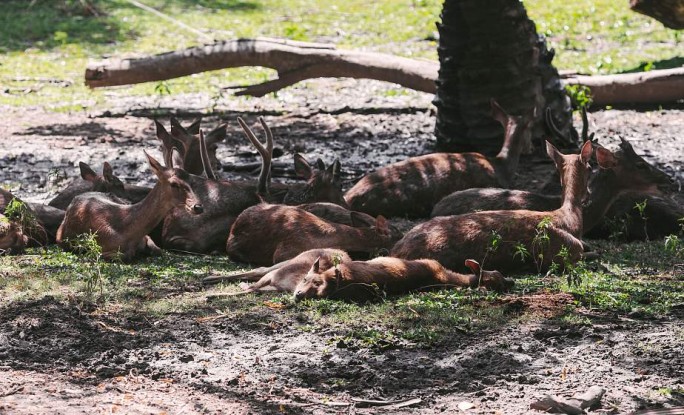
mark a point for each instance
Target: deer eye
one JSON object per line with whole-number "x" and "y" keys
{"x": 175, "y": 185}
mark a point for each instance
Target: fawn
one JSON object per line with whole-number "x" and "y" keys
{"x": 225, "y": 200}
{"x": 284, "y": 276}
{"x": 121, "y": 229}
{"x": 267, "y": 234}
{"x": 92, "y": 182}
{"x": 359, "y": 280}
{"x": 413, "y": 186}
{"x": 546, "y": 237}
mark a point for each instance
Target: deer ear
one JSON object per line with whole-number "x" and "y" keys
{"x": 381, "y": 225}
{"x": 336, "y": 169}
{"x": 157, "y": 168}
{"x": 605, "y": 159}
{"x": 195, "y": 126}
{"x": 302, "y": 167}
{"x": 316, "y": 265}
{"x": 498, "y": 113}
{"x": 86, "y": 172}
{"x": 107, "y": 172}
{"x": 585, "y": 152}
{"x": 473, "y": 265}
{"x": 216, "y": 135}
{"x": 554, "y": 154}
{"x": 320, "y": 165}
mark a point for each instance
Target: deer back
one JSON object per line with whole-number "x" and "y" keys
{"x": 266, "y": 234}
{"x": 413, "y": 186}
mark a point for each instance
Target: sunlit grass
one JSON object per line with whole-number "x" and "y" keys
{"x": 44, "y": 41}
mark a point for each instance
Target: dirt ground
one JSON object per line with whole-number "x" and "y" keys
{"x": 58, "y": 358}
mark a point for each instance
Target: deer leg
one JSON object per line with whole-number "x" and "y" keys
{"x": 149, "y": 247}
{"x": 253, "y": 275}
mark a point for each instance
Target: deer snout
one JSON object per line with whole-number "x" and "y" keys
{"x": 197, "y": 209}
{"x": 299, "y": 296}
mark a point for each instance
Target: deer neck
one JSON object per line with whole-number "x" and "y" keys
{"x": 143, "y": 216}
{"x": 569, "y": 216}
{"x": 605, "y": 189}
{"x": 506, "y": 162}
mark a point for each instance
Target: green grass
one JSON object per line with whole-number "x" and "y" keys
{"x": 640, "y": 279}
{"x": 48, "y": 41}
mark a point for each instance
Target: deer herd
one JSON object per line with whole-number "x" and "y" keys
{"x": 314, "y": 240}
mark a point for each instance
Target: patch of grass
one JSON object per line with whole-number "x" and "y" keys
{"x": 41, "y": 40}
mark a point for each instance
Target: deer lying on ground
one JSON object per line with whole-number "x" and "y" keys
{"x": 284, "y": 276}
{"x": 13, "y": 240}
{"x": 21, "y": 219}
{"x": 630, "y": 173}
{"x": 122, "y": 230}
{"x": 92, "y": 182}
{"x": 267, "y": 234}
{"x": 225, "y": 200}
{"x": 554, "y": 235}
{"x": 187, "y": 145}
{"x": 413, "y": 186}
{"x": 359, "y": 280}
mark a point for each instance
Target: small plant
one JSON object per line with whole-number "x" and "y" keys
{"x": 89, "y": 249}
{"x": 20, "y": 214}
{"x": 580, "y": 96}
{"x": 519, "y": 249}
{"x": 495, "y": 240}
{"x": 541, "y": 241}
{"x": 673, "y": 244}
{"x": 641, "y": 208}
{"x": 162, "y": 88}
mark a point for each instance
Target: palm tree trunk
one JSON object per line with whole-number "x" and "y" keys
{"x": 490, "y": 49}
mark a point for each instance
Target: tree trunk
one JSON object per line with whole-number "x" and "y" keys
{"x": 668, "y": 12}
{"x": 490, "y": 49}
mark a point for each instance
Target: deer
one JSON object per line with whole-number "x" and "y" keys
{"x": 629, "y": 174}
{"x": 547, "y": 237}
{"x": 225, "y": 200}
{"x": 34, "y": 221}
{"x": 121, "y": 230}
{"x": 360, "y": 280}
{"x": 13, "y": 240}
{"x": 187, "y": 144}
{"x": 266, "y": 234}
{"x": 412, "y": 187}
{"x": 284, "y": 276}
{"x": 92, "y": 182}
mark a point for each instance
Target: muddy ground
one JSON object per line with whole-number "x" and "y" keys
{"x": 56, "y": 357}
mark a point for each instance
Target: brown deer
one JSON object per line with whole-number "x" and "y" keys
{"x": 187, "y": 144}
{"x": 267, "y": 234}
{"x": 360, "y": 280}
{"x": 412, "y": 187}
{"x": 122, "y": 230}
{"x": 284, "y": 276}
{"x": 92, "y": 182}
{"x": 225, "y": 200}
{"x": 25, "y": 219}
{"x": 630, "y": 174}
{"x": 546, "y": 237}
{"x": 13, "y": 240}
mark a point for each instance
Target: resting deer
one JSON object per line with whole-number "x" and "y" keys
{"x": 92, "y": 182}
{"x": 284, "y": 276}
{"x": 359, "y": 280}
{"x": 13, "y": 240}
{"x": 225, "y": 200}
{"x": 121, "y": 229}
{"x": 187, "y": 144}
{"x": 25, "y": 221}
{"x": 452, "y": 239}
{"x": 629, "y": 174}
{"x": 267, "y": 234}
{"x": 413, "y": 186}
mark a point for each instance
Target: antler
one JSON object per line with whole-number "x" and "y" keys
{"x": 208, "y": 170}
{"x": 266, "y": 153}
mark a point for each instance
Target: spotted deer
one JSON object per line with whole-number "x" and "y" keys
{"x": 413, "y": 186}
{"x": 360, "y": 280}
{"x": 452, "y": 239}
{"x": 267, "y": 234}
{"x": 225, "y": 200}
{"x": 122, "y": 230}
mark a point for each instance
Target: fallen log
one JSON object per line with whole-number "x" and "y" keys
{"x": 294, "y": 61}
{"x": 297, "y": 61}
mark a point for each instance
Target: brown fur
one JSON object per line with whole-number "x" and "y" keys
{"x": 412, "y": 187}
{"x": 225, "y": 200}
{"x": 122, "y": 229}
{"x": 187, "y": 145}
{"x": 284, "y": 276}
{"x": 266, "y": 234}
{"x": 37, "y": 233}
{"x": 12, "y": 238}
{"x": 452, "y": 239}
{"x": 355, "y": 280}
{"x": 92, "y": 182}
{"x": 628, "y": 173}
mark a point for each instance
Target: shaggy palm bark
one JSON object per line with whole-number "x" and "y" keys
{"x": 490, "y": 49}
